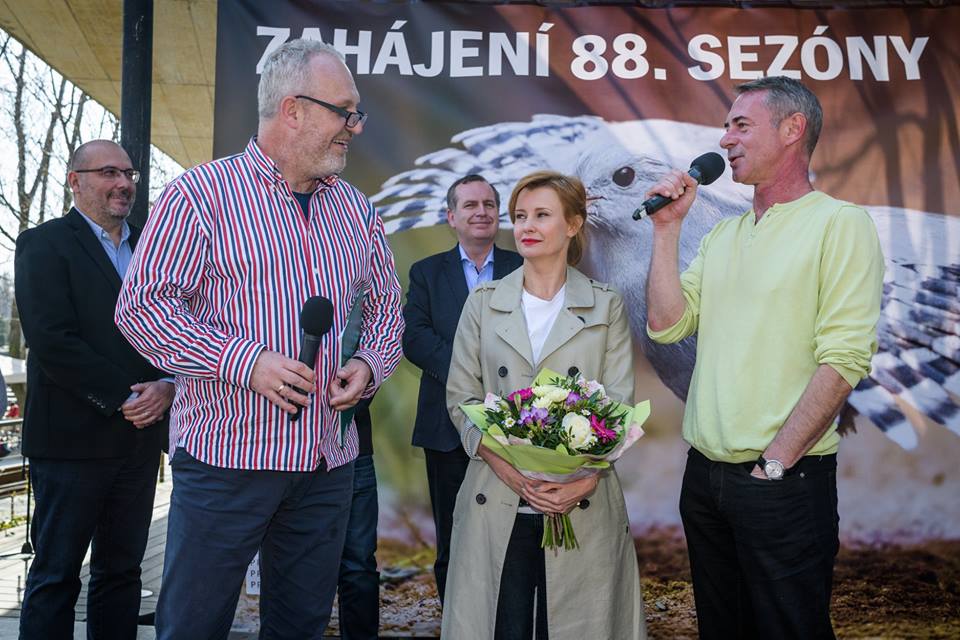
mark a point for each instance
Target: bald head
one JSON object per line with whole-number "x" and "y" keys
{"x": 83, "y": 153}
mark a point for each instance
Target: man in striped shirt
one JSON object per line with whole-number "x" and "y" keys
{"x": 230, "y": 253}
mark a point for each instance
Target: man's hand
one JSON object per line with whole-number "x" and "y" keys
{"x": 682, "y": 189}
{"x": 348, "y": 385}
{"x": 556, "y": 497}
{"x": 278, "y": 378}
{"x": 149, "y": 406}
{"x": 758, "y": 473}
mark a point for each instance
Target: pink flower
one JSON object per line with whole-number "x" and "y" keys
{"x": 522, "y": 394}
{"x": 600, "y": 428}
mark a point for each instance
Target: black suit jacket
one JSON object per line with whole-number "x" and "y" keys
{"x": 435, "y": 299}
{"x": 79, "y": 366}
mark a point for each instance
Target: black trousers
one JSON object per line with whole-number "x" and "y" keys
{"x": 522, "y": 601}
{"x": 102, "y": 503}
{"x": 761, "y": 551}
{"x": 445, "y": 473}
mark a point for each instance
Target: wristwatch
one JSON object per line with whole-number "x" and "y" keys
{"x": 773, "y": 469}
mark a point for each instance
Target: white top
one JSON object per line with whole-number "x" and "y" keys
{"x": 540, "y": 315}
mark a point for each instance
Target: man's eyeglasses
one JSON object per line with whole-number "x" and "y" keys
{"x": 354, "y": 118}
{"x": 112, "y": 173}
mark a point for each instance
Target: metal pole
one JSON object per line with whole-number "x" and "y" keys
{"x": 135, "y": 96}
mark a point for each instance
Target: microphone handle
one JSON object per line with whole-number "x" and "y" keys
{"x": 654, "y": 204}
{"x": 308, "y": 356}
{"x": 651, "y": 205}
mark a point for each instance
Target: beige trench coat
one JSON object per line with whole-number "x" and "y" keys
{"x": 594, "y": 591}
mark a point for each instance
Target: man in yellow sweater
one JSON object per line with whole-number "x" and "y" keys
{"x": 784, "y": 301}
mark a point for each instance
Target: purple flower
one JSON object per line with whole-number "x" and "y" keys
{"x": 530, "y": 416}
{"x": 572, "y": 398}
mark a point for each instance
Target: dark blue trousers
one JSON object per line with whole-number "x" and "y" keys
{"x": 103, "y": 504}
{"x": 359, "y": 588}
{"x": 218, "y": 520}
{"x": 761, "y": 551}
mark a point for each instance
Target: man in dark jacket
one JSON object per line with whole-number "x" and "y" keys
{"x": 94, "y": 423}
{"x": 438, "y": 288}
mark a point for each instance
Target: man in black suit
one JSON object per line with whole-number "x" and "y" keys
{"x": 438, "y": 288}
{"x": 95, "y": 422}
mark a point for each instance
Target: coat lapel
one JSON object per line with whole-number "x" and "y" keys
{"x": 453, "y": 270}
{"x": 91, "y": 245}
{"x": 512, "y": 329}
{"x": 578, "y": 295}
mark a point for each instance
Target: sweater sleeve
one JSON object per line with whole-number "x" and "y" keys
{"x": 850, "y": 289}
{"x": 690, "y": 281}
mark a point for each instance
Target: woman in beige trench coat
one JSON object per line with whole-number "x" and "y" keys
{"x": 591, "y": 592}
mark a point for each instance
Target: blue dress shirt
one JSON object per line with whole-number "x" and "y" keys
{"x": 473, "y": 275}
{"x": 119, "y": 256}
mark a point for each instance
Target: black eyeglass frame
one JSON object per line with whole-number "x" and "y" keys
{"x": 132, "y": 174}
{"x": 358, "y": 117}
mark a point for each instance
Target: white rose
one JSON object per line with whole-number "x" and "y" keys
{"x": 542, "y": 403}
{"x": 550, "y": 392}
{"x": 578, "y": 428}
{"x": 543, "y": 390}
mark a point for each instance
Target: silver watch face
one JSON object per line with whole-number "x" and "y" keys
{"x": 773, "y": 469}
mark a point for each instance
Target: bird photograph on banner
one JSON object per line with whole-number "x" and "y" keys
{"x": 917, "y": 367}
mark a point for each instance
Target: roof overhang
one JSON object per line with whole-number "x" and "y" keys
{"x": 83, "y": 40}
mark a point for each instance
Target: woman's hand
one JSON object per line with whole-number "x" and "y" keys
{"x": 555, "y": 497}
{"x": 505, "y": 471}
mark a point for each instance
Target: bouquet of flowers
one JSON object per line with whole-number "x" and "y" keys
{"x": 559, "y": 429}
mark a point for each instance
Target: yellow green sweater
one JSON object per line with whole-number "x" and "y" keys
{"x": 770, "y": 302}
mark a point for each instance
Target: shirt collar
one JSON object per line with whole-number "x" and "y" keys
{"x": 465, "y": 257}
{"x": 102, "y": 233}
{"x": 268, "y": 170}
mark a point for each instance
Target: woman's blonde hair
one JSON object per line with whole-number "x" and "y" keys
{"x": 572, "y": 196}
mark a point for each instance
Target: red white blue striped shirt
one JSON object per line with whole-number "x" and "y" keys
{"x": 221, "y": 271}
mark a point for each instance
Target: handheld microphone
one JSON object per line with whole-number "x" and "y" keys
{"x": 704, "y": 170}
{"x": 316, "y": 318}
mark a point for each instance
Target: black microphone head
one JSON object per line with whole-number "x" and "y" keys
{"x": 316, "y": 317}
{"x": 710, "y": 166}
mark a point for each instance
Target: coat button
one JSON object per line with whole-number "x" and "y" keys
{"x": 584, "y": 503}
{"x": 573, "y": 372}
{"x": 481, "y": 499}
{"x": 502, "y": 372}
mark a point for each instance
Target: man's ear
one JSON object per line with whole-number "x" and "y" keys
{"x": 793, "y": 128}
{"x": 73, "y": 179}
{"x": 290, "y": 112}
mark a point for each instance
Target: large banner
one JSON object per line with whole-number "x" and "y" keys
{"x": 615, "y": 95}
